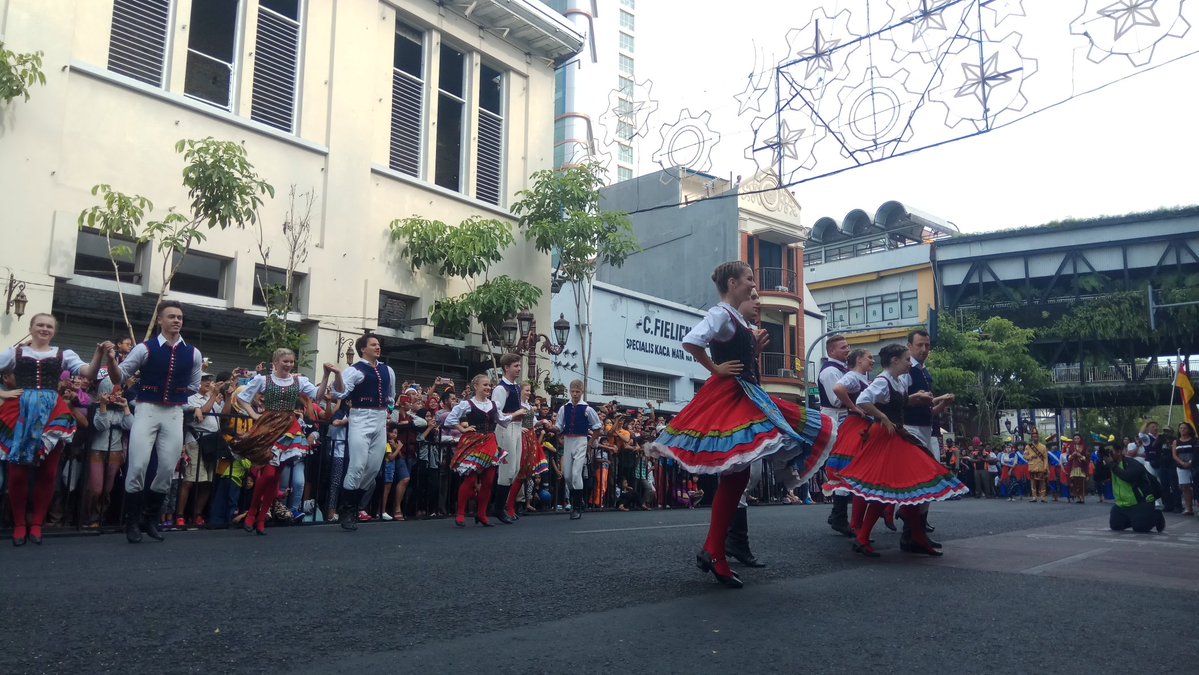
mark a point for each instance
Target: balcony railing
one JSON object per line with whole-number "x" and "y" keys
{"x": 1114, "y": 373}
{"x": 777, "y": 279}
{"x": 777, "y": 364}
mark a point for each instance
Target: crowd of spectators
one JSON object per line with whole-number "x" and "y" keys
{"x": 211, "y": 486}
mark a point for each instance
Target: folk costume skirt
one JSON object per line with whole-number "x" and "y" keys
{"x": 32, "y": 425}
{"x": 532, "y": 457}
{"x": 274, "y": 432}
{"x": 849, "y": 440}
{"x": 476, "y": 453}
{"x": 732, "y": 423}
{"x": 894, "y": 469}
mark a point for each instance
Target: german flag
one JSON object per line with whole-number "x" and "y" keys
{"x": 1184, "y": 384}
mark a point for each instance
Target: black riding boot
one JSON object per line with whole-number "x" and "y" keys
{"x": 839, "y": 518}
{"x": 576, "y": 504}
{"x": 132, "y": 516}
{"x": 152, "y": 513}
{"x": 736, "y": 544}
{"x": 347, "y": 512}
{"x": 500, "y": 502}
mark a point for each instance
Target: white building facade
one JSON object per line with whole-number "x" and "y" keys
{"x": 382, "y": 109}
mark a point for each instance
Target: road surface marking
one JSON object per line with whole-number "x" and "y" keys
{"x": 631, "y": 529}
{"x": 1065, "y": 561}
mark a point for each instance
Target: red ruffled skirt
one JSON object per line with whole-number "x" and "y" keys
{"x": 33, "y": 424}
{"x": 890, "y": 468}
{"x": 731, "y": 423}
{"x": 849, "y": 440}
{"x": 532, "y": 457}
{"x": 476, "y": 453}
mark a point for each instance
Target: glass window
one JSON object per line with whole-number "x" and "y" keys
{"x": 451, "y": 123}
{"x": 625, "y": 153}
{"x": 212, "y": 38}
{"x": 624, "y": 131}
{"x": 890, "y": 306}
{"x": 635, "y": 384}
{"x": 266, "y": 277}
{"x": 92, "y": 257}
{"x": 626, "y": 20}
{"x": 631, "y": 4}
{"x": 626, "y": 42}
{"x": 624, "y": 173}
{"x": 840, "y": 313}
{"x": 200, "y": 275}
{"x": 874, "y": 309}
{"x": 625, "y": 86}
{"x": 626, "y": 64}
{"x": 909, "y": 305}
{"x": 857, "y": 312}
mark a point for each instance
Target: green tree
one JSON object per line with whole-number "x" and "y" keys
{"x": 468, "y": 252}
{"x": 19, "y": 73}
{"x": 224, "y": 190}
{"x": 276, "y": 330}
{"x": 1125, "y": 315}
{"x": 987, "y": 364}
{"x": 561, "y": 214}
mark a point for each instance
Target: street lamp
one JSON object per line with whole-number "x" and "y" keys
{"x": 520, "y": 336}
{"x": 15, "y": 304}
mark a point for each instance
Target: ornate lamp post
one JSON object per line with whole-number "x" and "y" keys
{"x": 15, "y": 299}
{"x": 520, "y": 336}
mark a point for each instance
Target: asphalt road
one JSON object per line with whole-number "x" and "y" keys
{"x": 1022, "y": 588}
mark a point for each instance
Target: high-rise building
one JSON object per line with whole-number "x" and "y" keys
{"x": 597, "y": 114}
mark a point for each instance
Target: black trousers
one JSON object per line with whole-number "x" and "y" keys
{"x": 1140, "y": 517}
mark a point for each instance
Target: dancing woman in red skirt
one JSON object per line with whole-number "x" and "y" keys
{"x": 478, "y": 453}
{"x": 732, "y": 422}
{"x": 891, "y": 466}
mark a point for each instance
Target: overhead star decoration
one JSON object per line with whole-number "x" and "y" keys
{"x": 980, "y": 78}
{"x": 1128, "y": 14}
{"x": 751, "y": 98}
{"x": 819, "y": 55}
{"x": 923, "y": 19}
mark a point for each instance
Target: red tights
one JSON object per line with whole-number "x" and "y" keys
{"x": 266, "y": 488}
{"x": 910, "y": 514}
{"x": 44, "y": 475}
{"x": 484, "y": 482}
{"x": 724, "y": 507}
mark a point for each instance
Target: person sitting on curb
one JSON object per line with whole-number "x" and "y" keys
{"x": 1135, "y": 491}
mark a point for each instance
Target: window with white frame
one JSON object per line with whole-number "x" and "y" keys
{"x": 625, "y": 86}
{"x": 212, "y": 52}
{"x": 626, "y": 64}
{"x": 635, "y": 384}
{"x": 276, "y": 64}
{"x": 407, "y": 99}
{"x": 626, "y": 42}
{"x": 625, "y": 153}
{"x": 137, "y": 44}
{"x": 624, "y": 131}
{"x": 451, "y": 118}
{"x": 623, "y": 173}
{"x": 626, "y": 20}
{"x": 140, "y": 48}
{"x": 631, "y": 4}
{"x": 490, "y": 138}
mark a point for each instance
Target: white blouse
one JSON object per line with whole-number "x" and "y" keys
{"x": 879, "y": 390}
{"x": 70, "y": 360}
{"x": 717, "y": 325}
{"x": 463, "y": 408}
{"x": 258, "y": 383}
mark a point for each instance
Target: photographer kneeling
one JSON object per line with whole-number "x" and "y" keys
{"x": 1135, "y": 491}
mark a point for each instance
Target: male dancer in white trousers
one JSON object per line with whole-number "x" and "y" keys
{"x": 919, "y": 420}
{"x": 170, "y": 373}
{"x": 837, "y": 349}
{"x": 370, "y": 387}
{"x": 507, "y": 400}
{"x": 577, "y": 422}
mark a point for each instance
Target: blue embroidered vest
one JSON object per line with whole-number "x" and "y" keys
{"x": 372, "y": 391}
{"x": 166, "y": 374}
{"x": 512, "y": 404}
{"x": 576, "y": 423}
{"x": 921, "y": 416}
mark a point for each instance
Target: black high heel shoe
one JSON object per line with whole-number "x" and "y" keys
{"x": 484, "y": 523}
{"x": 706, "y": 563}
{"x": 913, "y": 547}
{"x": 866, "y": 550}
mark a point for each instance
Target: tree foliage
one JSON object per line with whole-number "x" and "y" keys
{"x": 987, "y": 364}
{"x": 19, "y": 73}
{"x": 1125, "y": 315}
{"x": 466, "y": 251}
{"x": 276, "y": 330}
{"x": 224, "y": 189}
{"x": 561, "y": 214}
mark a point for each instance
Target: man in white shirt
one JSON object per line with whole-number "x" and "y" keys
{"x": 371, "y": 388}
{"x": 834, "y": 368}
{"x": 170, "y": 372}
{"x": 506, "y": 397}
{"x": 577, "y": 422}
